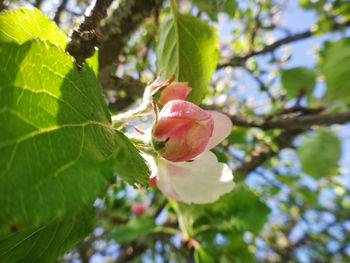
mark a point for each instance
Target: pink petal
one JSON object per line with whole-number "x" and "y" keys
{"x": 202, "y": 181}
{"x": 175, "y": 91}
{"x": 181, "y": 109}
{"x": 185, "y": 130}
{"x": 222, "y": 128}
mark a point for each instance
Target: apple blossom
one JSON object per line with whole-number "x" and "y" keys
{"x": 183, "y": 131}
{"x": 187, "y": 132}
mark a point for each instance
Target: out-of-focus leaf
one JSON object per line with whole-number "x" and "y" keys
{"x": 232, "y": 250}
{"x": 133, "y": 229}
{"x": 335, "y": 66}
{"x": 319, "y": 155}
{"x": 239, "y": 210}
{"x": 201, "y": 255}
{"x": 188, "y": 48}
{"x": 338, "y": 107}
{"x": 21, "y": 25}
{"x": 213, "y": 7}
{"x": 222, "y": 158}
{"x": 306, "y": 195}
{"x": 295, "y": 79}
{"x": 238, "y": 135}
{"x": 287, "y": 179}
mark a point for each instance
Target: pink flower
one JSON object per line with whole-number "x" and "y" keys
{"x": 183, "y": 131}
{"x": 138, "y": 208}
{"x": 174, "y": 91}
{"x": 186, "y": 132}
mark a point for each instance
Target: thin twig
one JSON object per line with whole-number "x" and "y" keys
{"x": 240, "y": 60}
{"x": 298, "y": 122}
{"x": 59, "y": 11}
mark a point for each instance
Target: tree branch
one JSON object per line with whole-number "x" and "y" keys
{"x": 87, "y": 37}
{"x": 299, "y": 122}
{"x": 240, "y": 60}
{"x": 2, "y": 5}
{"x": 117, "y": 31}
{"x": 261, "y": 153}
{"x": 119, "y": 27}
{"x": 38, "y": 4}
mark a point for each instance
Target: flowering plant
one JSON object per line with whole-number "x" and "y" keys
{"x": 183, "y": 135}
{"x": 179, "y": 143}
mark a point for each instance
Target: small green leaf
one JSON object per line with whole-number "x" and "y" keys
{"x": 240, "y": 210}
{"x": 234, "y": 250}
{"x": 202, "y": 255}
{"x": 335, "y": 66}
{"x": 21, "y": 25}
{"x": 133, "y": 229}
{"x": 42, "y": 244}
{"x": 129, "y": 164}
{"x": 213, "y": 7}
{"x": 295, "y": 79}
{"x": 319, "y": 155}
{"x": 188, "y": 48}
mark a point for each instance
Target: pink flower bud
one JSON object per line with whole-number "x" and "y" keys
{"x": 138, "y": 208}
{"x": 183, "y": 131}
{"x": 174, "y": 91}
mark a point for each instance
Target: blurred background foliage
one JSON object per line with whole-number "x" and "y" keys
{"x": 283, "y": 77}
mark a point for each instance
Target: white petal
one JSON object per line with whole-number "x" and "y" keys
{"x": 201, "y": 181}
{"x": 222, "y": 128}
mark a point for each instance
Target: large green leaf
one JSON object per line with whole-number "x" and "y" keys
{"x": 25, "y": 24}
{"x": 213, "y": 7}
{"x": 133, "y": 229}
{"x": 335, "y": 66}
{"x": 57, "y": 145}
{"x": 296, "y": 79}
{"x": 188, "y": 48}
{"x": 319, "y": 155}
{"x": 42, "y": 244}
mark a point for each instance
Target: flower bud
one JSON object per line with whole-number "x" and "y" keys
{"x": 138, "y": 208}
{"x": 183, "y": 131}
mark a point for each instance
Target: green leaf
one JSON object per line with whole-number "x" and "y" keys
{"x": 213, "y": 7}
{"x": 233, "y": 250}
{"x": 133, "y": 229}
{"x": 42, "y": 244}
{"x": 335, "y": 66}
{"x": 129, "y": 164}
{"x": 295, "y": 79}
{"x": 21, "y": 25}
{"x": 202, "y": 255}
{"x": 238, "y": 135}
{"x": 240, "y": 210}
{"x": 58, "y": 146}
{"x": 319, "y": 155}
{"x": 93, "y": 62}
{"x": 188, "y": 48}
